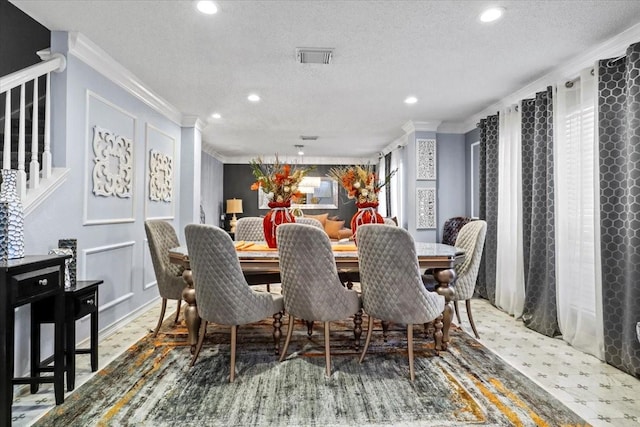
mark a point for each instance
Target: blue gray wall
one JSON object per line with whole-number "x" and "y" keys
{"x": 111, "y": 240}
{"x": 470, "y": 138}
{"x": 452, "y": 177}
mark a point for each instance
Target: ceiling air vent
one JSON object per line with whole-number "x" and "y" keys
{"x": 308, "y": 138}
{"x": 314, "y": 55}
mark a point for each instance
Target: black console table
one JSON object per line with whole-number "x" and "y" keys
{"x": 81, "y": 300}
{"x": 25, "y": 281}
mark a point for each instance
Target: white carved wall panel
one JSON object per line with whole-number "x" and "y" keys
{"x": 160, "y": 176}
{"x": 113, "y": 164}
{"x": 426, "y": 159}
{"x": 426, "y": 208}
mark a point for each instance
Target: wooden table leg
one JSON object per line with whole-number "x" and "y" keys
{"x": 191, "y": 317}
{"x": 444, "y": 278}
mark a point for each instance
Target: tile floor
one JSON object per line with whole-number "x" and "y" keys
{"x": 599, "y": 393}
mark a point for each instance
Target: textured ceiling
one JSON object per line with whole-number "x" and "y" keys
{"x": 384, "y": 51}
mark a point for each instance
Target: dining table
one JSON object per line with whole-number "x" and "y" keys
{"x": 256, "y": 258}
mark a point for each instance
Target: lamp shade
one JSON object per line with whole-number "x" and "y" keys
{"x": 234, "y": 206}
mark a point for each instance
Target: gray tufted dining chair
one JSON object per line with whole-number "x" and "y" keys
{"x": 223, "y": 295}
{"x": 311, "y": 287}
{"x": 249, "y": 228}
{"x": 470, "y": 238}
{"x": 392, "y": 288}
{"x": 309, "y": 221}
{"x": 161, "y": 237}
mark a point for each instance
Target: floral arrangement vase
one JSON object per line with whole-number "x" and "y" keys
{"x": 366, "y": 214}
{"x": 279, "y": 214}
{"x": 11, "y": 217}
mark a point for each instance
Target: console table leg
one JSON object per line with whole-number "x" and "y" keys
{"x": 191, "y": 317}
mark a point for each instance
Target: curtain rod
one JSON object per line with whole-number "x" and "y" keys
{"x": 569, "y": 83}
{"x": 611, "y": 62}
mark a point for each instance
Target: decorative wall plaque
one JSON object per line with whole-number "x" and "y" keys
{"x": 113, "y": 164}
{"x": 426, "y": 158}
{"x": 426, "y": 208}
{"x": 160, "y": 177}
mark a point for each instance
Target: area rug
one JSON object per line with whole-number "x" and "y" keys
{"x": 151, "y": 384}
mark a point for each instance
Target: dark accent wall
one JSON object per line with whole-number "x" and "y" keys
{"x": 21, "y": 37}
{"x": 237, "y": 183}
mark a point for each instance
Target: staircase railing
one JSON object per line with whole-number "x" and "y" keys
{"x": 29, "y": 75}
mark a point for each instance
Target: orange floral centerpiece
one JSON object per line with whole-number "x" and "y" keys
{"x": 363, "y": 186}
{"x": 279, "y": 181}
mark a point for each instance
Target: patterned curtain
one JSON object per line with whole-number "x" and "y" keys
{"x": 540, "y": 309}
{"x": 619, "y": 133}
{"x": 387, "y": 193}
{"x": 486, "y": 284}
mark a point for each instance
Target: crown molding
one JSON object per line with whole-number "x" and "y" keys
{"x": 210, "y": 150}
{"x": 192, "y": 122}
{"x": 91, "y": 54}
{"x": 412, "y": 126}
{"x": 458, "y": 128}
{"x": 306, "y": 160}
{"x": 612, "y": 47}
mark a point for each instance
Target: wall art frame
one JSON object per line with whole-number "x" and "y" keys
{"x": 426, "y": 159}
{"x": 426, "y": 205}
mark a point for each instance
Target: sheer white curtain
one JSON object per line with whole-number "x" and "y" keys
{"x": 396, "y": 186}
{"x": 579, "y": 284}
{"x": 382, "y": 196}
{"x": 510, "y": 261}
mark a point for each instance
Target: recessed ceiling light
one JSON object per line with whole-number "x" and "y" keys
{"x": 253, "y": 97}
{"x": 492, "y": 14}
{"x": 207, "y": 7}
{"x": 411, "y": 100}
{"x": 216, "y": 116}
{"x": 300, "y": 147}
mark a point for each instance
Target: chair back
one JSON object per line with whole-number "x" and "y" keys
{"x": 249, "y": 228}
{"x": 390, "y": 221}
{"x": 311, "y": 287}
{"x": 309, "y": 221}
{"x": 471, "y": 239}
{"x": 222, "y": 292}
{"x": 452, "y": 227}
{"x": 392, "y": 287}
{"x": 162, "y": 237}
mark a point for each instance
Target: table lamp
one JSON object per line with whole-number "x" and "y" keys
{"x": 234, "y": 206}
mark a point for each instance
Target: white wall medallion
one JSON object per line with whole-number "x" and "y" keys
{"x": 113, "y": 164}
{"x": 426, "y": 208}
{"x": 160, "y": 176}
{"x": 426, "y": 158}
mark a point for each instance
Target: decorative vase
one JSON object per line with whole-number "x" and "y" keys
{"x": 279, "y": 214}
{"x": 12, "y": 216}
{"x": 73, "y": 245}
{"x": 367, "y": 214}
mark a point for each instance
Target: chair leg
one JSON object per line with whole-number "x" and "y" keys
{"x": 162, "y": 310}
{"x": 412, "y": 374}
{"x": 473, "y": 325}
{"x": 385, "y": 330}
{"x": 178, "y": 311}
{"x": 357, "y": 328}
{"x": 277, "y": 331}
{"x": 368, "y": 340}
{"x": 455, "y": 306}
{"x": 286, "y": 342}
{"x": 203, "y": 332}
{"x": 234, "y": 339}
{"x": 309, "y": 328}
{"x": 327, "y": 349}
{"x": 268, "y": 287}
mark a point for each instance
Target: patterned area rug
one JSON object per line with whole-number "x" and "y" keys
{"x": 151, "y": 384}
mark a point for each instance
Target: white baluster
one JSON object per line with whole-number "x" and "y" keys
{"x": 46, "y": 153}
{"x": 6, "y": 152}
{"x": 22, "y": 175}
{"x": 34, "y": 166}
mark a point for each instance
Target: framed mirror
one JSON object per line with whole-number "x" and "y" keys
{"x": 319, "y": 193}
